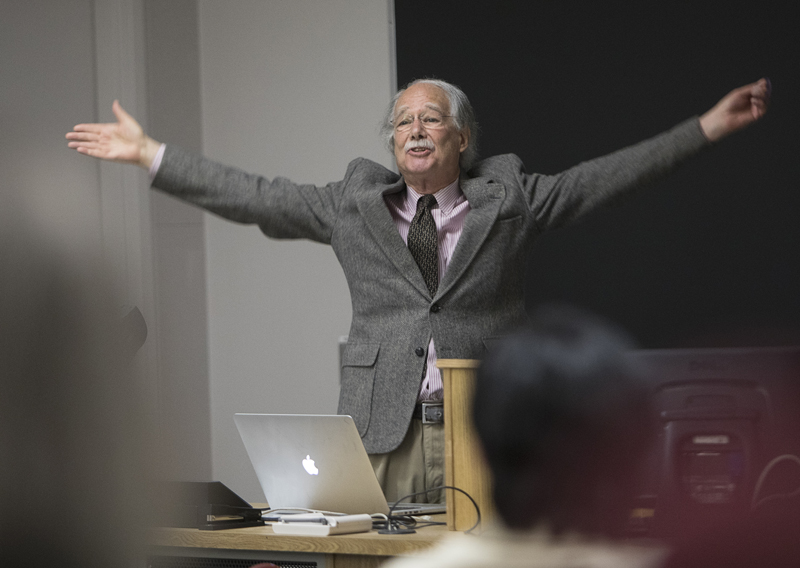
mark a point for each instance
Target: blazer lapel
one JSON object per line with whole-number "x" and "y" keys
{"x": 485, "y": 198}
{"x": 379, "y": 221}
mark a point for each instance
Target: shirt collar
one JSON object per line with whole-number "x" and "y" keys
{"x": 446, "y": 198}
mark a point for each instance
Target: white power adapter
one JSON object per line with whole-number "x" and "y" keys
{"x": 317, "y": 524}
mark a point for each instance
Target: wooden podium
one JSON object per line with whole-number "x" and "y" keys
{"x": 464, "y": 463}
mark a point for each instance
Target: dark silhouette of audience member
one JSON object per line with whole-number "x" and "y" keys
{"x": 563, "y": 418}
{"x": 71, "y": 456}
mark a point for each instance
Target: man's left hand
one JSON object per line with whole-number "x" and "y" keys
{"x": 736, "y": 110}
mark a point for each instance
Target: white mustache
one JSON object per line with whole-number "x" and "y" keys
{"x": 421, "y": 143}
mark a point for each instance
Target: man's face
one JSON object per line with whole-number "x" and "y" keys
{"x": 427, "y": 145}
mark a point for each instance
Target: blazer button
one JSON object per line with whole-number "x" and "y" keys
{"x": 419, "y": 351}
{"x": 436, "y": 308}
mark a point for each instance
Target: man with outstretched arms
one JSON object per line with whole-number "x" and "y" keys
{"x": 432, "y": 254}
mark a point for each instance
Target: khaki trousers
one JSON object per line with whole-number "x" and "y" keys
{"x": 415, "y": 465}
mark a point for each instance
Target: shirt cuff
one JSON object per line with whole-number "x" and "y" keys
{"x": 156, "y": 162}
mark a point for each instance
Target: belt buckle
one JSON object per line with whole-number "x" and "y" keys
{"x": 437, "y": 410}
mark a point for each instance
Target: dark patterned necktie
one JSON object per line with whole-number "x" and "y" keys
{"x": 422, "y": 242}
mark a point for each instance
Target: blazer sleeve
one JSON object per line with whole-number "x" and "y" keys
{"x": 558, "y": 199}
{"x": 282, "y": 209}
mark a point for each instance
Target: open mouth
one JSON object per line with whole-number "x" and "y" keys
{"x": 421, "y": 147}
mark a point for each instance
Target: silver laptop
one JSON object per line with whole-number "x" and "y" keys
{"x": 315, "y": 462}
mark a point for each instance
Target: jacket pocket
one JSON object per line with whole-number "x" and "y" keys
{"x": 358, "y": 377}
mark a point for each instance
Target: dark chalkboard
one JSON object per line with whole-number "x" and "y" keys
{"x": 706, "y": 258}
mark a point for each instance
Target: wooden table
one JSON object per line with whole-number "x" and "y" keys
{"x": 234, "y": 548}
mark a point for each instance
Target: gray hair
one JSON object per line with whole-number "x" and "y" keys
{"x": 460, "y": 109}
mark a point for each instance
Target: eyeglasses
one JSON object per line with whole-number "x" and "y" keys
{"x": 430, "y": 120}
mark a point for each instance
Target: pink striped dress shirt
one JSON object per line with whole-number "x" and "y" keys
{"x": 449, "y": 215}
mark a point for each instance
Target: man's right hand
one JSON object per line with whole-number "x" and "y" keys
{"x": 123, "y": 141}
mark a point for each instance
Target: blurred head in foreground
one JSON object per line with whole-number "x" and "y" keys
{"x": 563, "y": 419}
{"x": 69, "y": 440}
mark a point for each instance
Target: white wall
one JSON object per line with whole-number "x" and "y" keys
{"x": 181, "y": 325}
{"x": 63, "y": 63}
{"x": 47, "y": 77}
{"x": 60, "y": 59}
{"x": 237, "y": 322}
{"x": 293, "y": 88}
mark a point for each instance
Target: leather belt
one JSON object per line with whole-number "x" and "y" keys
{"x": 429, "y": 412}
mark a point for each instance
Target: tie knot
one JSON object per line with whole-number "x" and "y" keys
{"x": 426, "y": 202}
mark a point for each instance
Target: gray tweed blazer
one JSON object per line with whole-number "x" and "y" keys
{"x": 480, "y": 295}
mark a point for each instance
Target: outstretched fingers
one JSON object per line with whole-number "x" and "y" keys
{"x": 85, "y": 137}
{"x": 92, "y": 151}
{"x": 120, "y": 112}
{"x": 82, "y": 136}
{"x": 88, "y": 127}
{"x": 91, "y": 148}
{"x": 123, "y": 141}
{"x": 759, "y": 98}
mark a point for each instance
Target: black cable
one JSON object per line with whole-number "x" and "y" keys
{"x": 392, "y": 518}
{"x": 428, "y": 524}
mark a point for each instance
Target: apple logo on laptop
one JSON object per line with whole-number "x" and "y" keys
{"x": 308, "y": 465}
